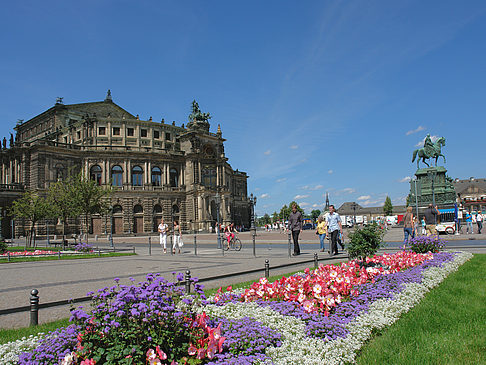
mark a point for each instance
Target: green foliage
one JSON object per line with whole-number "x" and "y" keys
{"x": 265, "y": 220}
{"x": 286, "y": 210}
{"x": 315, "y": 214}
{"x": 32, "y": 207}
{"x": 3, "y": 247}
{"x": 388, "y": 207}
{"x": 88, "y": 197}
{"x": 364, "y": 242}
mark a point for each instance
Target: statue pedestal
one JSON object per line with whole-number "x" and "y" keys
{"x": 432, "y": 184}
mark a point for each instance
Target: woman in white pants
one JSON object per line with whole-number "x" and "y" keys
{"x": 163, "y": 228}
{"x": 177, "y": 237}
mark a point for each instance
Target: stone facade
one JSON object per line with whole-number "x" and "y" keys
{"x": 157, "y": 169}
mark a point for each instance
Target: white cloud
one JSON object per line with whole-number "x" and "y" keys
{"x": 364, "y": 197}
{"x": 348, "y": 190}
{"x": 300, "y": 197}
{"x": 294, "y": 147}
{"x": 308, "y": 187}
{"x": 421, "y": 143}
{"x": 263, "y": 196}
{"x": 317, "y": 205}
{"x": 330, "y": 172}
{"x": 267, "y": 152}
{"x": 304, "y": 204}
{"x": 257, "y": 189}
{"x": 418, "y": 129}
{"x": 281, "y": 180}
{"x": 405, "y": 179}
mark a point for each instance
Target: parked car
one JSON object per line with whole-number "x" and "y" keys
{"x": 446, "y": 227}
{"x": 308, "y": 226}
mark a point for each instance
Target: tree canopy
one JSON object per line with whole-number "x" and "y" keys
{"x": 388, "y": 207}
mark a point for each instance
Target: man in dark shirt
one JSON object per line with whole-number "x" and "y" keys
{"x": 431, "y": 214}
{"x": 295, "y": 226}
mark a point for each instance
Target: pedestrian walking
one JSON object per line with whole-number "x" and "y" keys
{"x": 407, "y": 225}
{"x": 177, "y": 237}
{"x": 334, "y": 227}
{"x": 431, "y": 214}
{"x": 469, "y": 225}
{"x": 163, "y": 228}
{"x": 295, "y": 226}
{"x": 424, "y": 232}
{"x": 321, "y": 230}
{"x": 479, "y": 221}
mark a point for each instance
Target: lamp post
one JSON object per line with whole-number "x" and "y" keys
{"x": 354, "y": 206}
{"x": 110, "y": 237}
{"x": 431, "y": 175}
{"x": 253, "y": 200}
{"x": 218, "y": 202}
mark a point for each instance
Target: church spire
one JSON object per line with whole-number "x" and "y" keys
{"x": 327, "y": 202}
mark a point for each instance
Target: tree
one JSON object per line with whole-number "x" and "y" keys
{"x": 315, "y": 214}
{"x": 265, "y": 219}
{"x": 89, "y": 198}
{"x": 62, "y": 198}
{"x": 285, "y": 211}
{"x": 388, "y": 207}
{"x": 275, "y": 216}
{"x": 33, "y": 207}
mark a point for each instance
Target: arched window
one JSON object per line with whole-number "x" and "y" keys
{"x": 175, "y": 209}
{"x": 174, "y": 177}
{"x": 137, "y": 176}
{"x": 117, "y": 175}
{"x": 95, "y": 174}
{"x": 137, "y": 209}
{"x": 156, "y": 176}
{"x": 117, "y": 209}
{"x": 157, "y": 209}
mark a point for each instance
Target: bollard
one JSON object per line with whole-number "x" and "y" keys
{"x": 267, "y": 269}
{"x": 96, "y": 238}
{"x": 171, "y": 243}
{"x": 316, "y": 260}
{"x": 195, "y": 244}
{"x": 59, "y": 254}
{"x": 150, "y": 246}
{"x": 187, "y": 279}
{"x": 99, "y": 252}
{"x": 289, "y": 244}
{"x": 8, "y": 256}
{"x": 34, "y": 307}
{"x": 133, "y": 249}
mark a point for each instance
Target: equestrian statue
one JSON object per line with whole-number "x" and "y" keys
{"x": 430, "y": 150}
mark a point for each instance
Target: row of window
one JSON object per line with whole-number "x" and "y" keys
{"x": 117, "y": 209}
{"x": 116, "y": 131}
{"x": 137, "y": 176}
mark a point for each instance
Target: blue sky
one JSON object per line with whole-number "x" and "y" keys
{"x": 313, "y": 97}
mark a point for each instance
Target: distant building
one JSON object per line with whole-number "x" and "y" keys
{"x": 371, "y": 213}
{"x": 157, "y": 169}
{"x": 471, "y": 193}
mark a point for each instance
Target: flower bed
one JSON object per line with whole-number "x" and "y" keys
{"x": 320, "y": 316}
{"x": 29, "y": 253}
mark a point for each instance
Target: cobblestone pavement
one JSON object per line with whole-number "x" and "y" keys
{"x": 58, "y": 280}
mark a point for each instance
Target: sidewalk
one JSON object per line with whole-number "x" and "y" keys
{"x": 58, "y": 280}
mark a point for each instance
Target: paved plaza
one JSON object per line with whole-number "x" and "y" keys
{"x": 58, "y": 280}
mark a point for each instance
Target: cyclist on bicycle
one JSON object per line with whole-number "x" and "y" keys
{"x": 229, "y": 232}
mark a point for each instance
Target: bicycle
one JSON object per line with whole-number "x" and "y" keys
{"x": 234, "y": 244}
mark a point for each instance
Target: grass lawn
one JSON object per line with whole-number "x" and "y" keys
{"x": 447, "y": 327}
{"x": 8, "y": 335}
{"x": 4, "y": 260}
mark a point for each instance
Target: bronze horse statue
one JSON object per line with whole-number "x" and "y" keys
{"x": 431, "y": 151}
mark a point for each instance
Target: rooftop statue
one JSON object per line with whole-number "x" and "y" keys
{"x": 430, "y": 150}
{"x": 197, "y": 115}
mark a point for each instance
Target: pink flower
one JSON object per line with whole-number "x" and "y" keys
{"x": 162, "y": 354}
